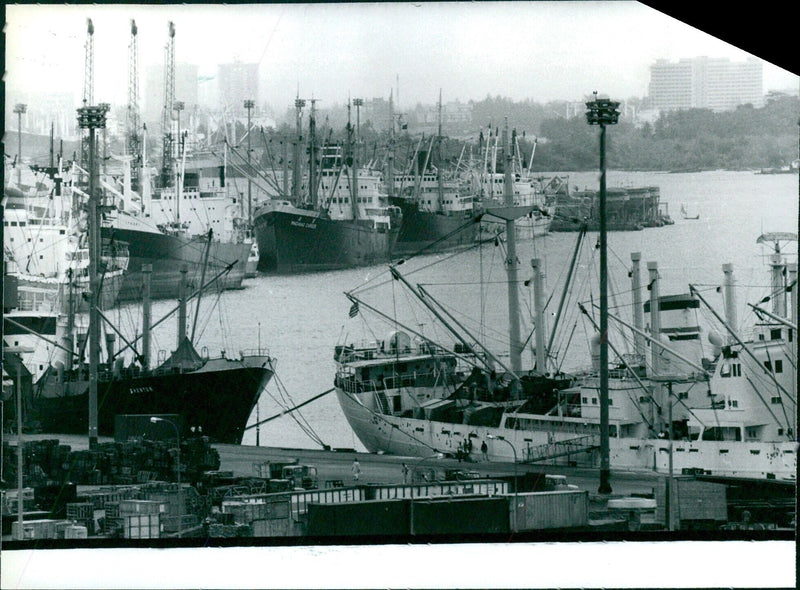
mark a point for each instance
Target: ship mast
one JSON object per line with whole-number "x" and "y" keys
{"x": 390, "y": 154}
{"x": 299, "y": 103}
{"x": 512, "y": 263}
{"x": 312, "y": 155}
{"x": 441, "y": 159}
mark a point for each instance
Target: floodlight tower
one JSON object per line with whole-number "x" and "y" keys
{"x": 88, "y": 85}
{"x": 169, "y": 99}
{"x": 133, "y": 143}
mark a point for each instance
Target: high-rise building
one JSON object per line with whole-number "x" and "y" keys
{"x": 186, "y": 89}
{"x": 703, "y": 82}
{"x": 237, "y": 82}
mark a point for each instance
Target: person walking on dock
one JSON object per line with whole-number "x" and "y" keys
{"x": 484, "y": 451}
{"x": 405, "y": 473}
{"x": 356, "y": 469}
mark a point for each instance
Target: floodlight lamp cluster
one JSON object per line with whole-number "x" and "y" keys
{"x": 602, "y": 111}
{"x": 92, "y": 117}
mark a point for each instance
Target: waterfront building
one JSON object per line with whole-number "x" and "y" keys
{"x": 704, "y": 82}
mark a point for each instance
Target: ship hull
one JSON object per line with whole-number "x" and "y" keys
{"x": 168, "y": 253}
{"x": 218, "y": 398}
{"x": 526, "y": 227}
{"x": 432, "y": 232}
{"x": 400, "y": 435}
{"x": 290, "y": 242}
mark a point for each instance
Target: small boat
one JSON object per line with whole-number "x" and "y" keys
{"x": 685, "y": 215}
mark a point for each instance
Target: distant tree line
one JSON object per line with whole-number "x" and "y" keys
{"x": 682, "y": 140}
{"x": 693, "y": 139}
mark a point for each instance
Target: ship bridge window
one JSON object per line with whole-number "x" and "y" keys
{"x": 776, "y": 400}
{"x": 722, "y": 433}
{"x": 779, "y": 366}
{"x": 775, "y": 334}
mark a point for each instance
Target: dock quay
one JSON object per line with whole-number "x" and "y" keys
{"x": 266, "y": 492}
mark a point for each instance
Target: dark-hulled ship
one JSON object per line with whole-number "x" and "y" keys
{"x": 433, "y": 220}
{"x": 214, "y": 396}
{"x": 339, "y": 217}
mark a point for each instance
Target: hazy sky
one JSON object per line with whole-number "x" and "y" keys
{"x": 538, "y": 50}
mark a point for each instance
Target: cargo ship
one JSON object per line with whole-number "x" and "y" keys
{"x": 213, "y": 396}
{"x": 439, "y": 214}
{"x": 339, "y": 216}
{"x": 731, "y": 415}
{"x": 409, "y": 397}
{"x": 203, "y": 228}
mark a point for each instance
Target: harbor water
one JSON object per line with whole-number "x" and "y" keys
{"x": 300, "y": 318}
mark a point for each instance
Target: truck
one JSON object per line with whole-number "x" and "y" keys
{"x": 298, "y": 475}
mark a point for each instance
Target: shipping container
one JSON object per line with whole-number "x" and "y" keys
{"x": 246, "y": 511}
{"x": 549, "y": 510}
{"x": 34, "y": 529}
{"x": 274, "y": 528}
{"x": 459, "y": 516}
{"x": 27, "y": 515}
{"x": 76, "y": 532}
{"x": 692, "y": 501}
{"x": 141, "y": 526}
{"x": 485, "y": 487}
{"x": 372, "y": 517}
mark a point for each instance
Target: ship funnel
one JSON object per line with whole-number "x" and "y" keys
{"x": 594, "y": 345}
{"x": 716, "y": 342}
{"x": 399, "y": 342}
{"x": 111, "y": 339}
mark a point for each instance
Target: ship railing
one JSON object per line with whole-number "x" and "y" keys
{"x": 258, "y": 351}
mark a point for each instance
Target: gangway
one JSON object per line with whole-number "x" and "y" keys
{"x": 561, "y": 448}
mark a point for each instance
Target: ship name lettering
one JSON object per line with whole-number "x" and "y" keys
{"x": 141, "y": 389}
{"x": 309, "y": 225}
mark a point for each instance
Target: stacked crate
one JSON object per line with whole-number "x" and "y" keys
{"x": 34, "y": 530}
{"x": 141, "y": 519}
{"x": 82, "y": 513}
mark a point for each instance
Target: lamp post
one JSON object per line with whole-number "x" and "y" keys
{"x": 358, "y": 103}
{"x": 178, "y": 106}
{"x": 249, "y": 105}
{"x": 603, "y": 112}
{"x": 106, "y": 107}
{"x": 20, "y": 520}
{"x": 154, "y": 420}
{"x": 514, "y": 450}
{"x": 91, "y": 118}
{"x": 19, "y": 108}
{"x": 411, "y": 499}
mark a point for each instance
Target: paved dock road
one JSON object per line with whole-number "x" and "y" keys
{"x": 337, "y": 465}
